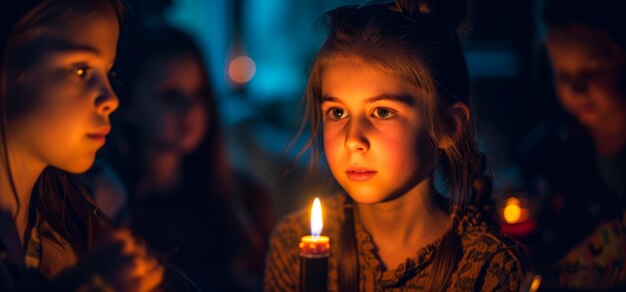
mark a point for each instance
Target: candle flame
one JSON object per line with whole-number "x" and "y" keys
{"x": 316, "y": 218}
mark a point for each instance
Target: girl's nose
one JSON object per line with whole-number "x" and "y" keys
{"x": 356, "y": 140}
{"x": 107, "y": 101}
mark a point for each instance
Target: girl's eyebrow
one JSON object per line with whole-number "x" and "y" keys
{"x": 328, "y": 98}
{"x": 405, "y": 99}
{"x": 76, "y": 48}
{"x": 64, "y": 46}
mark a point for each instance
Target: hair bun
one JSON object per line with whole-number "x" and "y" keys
{"x": 451, "y": 12}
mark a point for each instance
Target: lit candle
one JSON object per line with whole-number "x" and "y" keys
{"x": 314, "y": 251}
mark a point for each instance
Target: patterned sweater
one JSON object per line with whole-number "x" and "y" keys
{"x": 489, "y": 260}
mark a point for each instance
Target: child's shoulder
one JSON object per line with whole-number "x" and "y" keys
{"x": 488, "y": 239}
{"x": 479, "y": 233}
{"x": 488, "y": 252}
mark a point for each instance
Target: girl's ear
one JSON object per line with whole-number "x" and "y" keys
{"x": 461, "y": 115}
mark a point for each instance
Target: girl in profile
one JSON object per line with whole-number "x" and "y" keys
{"x": 55, "y": 103}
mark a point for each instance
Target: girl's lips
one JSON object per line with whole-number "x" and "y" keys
{"x": 102, "y": 131}
{"x": 360, "y": 175}
{"x": 100, "y": 135}
{"x": 98, "y": 138}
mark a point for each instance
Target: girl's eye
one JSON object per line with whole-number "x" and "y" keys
{"x": 82, "y": 71}
{"x": 383, "y": 113}
{"x": 336, "y": 113}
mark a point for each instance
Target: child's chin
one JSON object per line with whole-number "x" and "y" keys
{"x": 79, "y": 167}
{"x": 366, "y": 197}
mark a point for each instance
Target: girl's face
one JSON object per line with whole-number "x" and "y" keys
{"x": 374, "y": 132}
{"x": 67, "y": 92}
{"x": 169, "y": 104}
{"x": 588, "y": 70}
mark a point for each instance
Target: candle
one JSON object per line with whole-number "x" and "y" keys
{"x": 314, "y": 251}
{"x": 315, "y": 245}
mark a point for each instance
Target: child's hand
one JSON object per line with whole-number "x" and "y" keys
{"x": 123, "y": 263}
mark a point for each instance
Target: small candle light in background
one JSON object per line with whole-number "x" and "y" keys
{"x": 314, "y": 252}
{"x": 534, "y": 286}
{"x": 531, "y": 283}
{"x": 516, "y": 218}
{"x": 512, "y": 211}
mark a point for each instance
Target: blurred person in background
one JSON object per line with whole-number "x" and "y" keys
{"x": 578, "y": 164}
{"x": 209, "y": 221}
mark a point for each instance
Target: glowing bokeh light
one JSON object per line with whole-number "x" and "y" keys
{"x": 512, "y": 210}
{"x": 534, "y": 286}
{"x": 241, "y": 69}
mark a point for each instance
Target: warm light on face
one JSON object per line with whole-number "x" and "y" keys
{"x": 512, "y": 210}
{"x": 375, "y": 138}
{"x": 316, "y": 218}
{"x": 63, "y": 126}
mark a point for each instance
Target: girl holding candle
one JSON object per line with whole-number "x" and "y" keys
{"x": 55, "y": 103}
{"x": 388, "y": 96}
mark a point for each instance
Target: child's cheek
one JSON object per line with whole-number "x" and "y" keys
{"x": 334, "y": 140}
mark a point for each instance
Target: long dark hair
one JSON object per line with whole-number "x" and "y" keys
{"x": 58, "y": 197}
{"x": 418, "y": 42}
